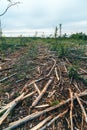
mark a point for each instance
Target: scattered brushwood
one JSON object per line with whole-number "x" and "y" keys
{"x": 51, "y": 95}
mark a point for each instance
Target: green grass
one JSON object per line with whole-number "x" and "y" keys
{"x": 69, "y": 48}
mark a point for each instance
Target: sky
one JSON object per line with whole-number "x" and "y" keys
{"x": 43, "y": 16}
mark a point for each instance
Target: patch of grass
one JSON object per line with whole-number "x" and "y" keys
{"x": 33, "y": 50}
{"x": 7, "y": 45}
{"x": 26, "y": 63}
{"x": 73, "y": 72}
{"x": 67, "y": 48}
{"x": 56, "y": 102}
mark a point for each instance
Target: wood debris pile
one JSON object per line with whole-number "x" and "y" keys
{"x": 48, "y": 99}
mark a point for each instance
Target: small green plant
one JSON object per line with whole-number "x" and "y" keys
{"x": 73, "y": 72}
{"x": 56, "y": 102}
{"x": 33, "y": 50}
{"x": 84, "y": 81}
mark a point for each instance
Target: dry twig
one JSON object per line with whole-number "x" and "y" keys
{"x": 42, "y": 92}
{"x": 83, "y": 110}
{"x": 71, "y": 109}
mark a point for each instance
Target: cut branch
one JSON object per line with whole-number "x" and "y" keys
{"x": 41, "y": 123}
{"x": 54, "y": 119}
{"x": 42, "y": 93}
{"x": 10, "y": 108}
{"x": 36, "y": 87}
{"x": 71, "y": 109}
{"x": 56, "y": 74}
{"x": 51, "y": 68}
{"x": 2, "y": 80}
{"x": 83, "y": 110}
{"x": 15, "y": 100}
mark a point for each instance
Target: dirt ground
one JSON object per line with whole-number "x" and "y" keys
{"x": 56, "y": 101}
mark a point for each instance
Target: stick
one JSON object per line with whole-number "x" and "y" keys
{"x": 29, "y": 84}
{"x": 54, "y": 119}
{"x": 37, "y": 114}
{"x": 7, "y": 77}
{"x": 42, "y": 106}
{"x": 42, "y": 93}
{"x": 10, "y": 108}
{"x": 36, "y": 87}
{"x": 56, "y": 74}
{"x": 41, "y": 123}
{"x": 83, "y": 110}
{"x": 51, "y": 93}
{"x": 6, "y": 69}
{"x": 28, "y": 95}
{"x": 9, "y": 104}
{"x": 71, "y": 108}
{"x": 84, "y": 71}
{"x": 51, "y": 68}
{"x": 75, "y": 85}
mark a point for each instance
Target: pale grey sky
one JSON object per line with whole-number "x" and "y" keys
{"x": 44, "y": 15}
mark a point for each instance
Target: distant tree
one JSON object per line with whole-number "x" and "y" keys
{"x": 36, "y": 33}
{"x": 10, "y": 4}
{"x": 80, "y": 35}
{"x": 64, "y": 35}
{"x": 56, "y": 33}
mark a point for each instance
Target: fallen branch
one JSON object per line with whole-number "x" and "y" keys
{"x": 10, "y": 109}
{"x": 36, "y": 87}
{"x": 37, "y": 114}
{"x": 1, "y": 70}
{"x": 29, "y": 84}
{"x": 7, "y": 77}
{"x": 41, "y": 123}
{"x": 28, "y": 95}
{"x": 54, "y": 119}
{"x": 51, "y": 68}
{"x": 42, "y": 106}
{"x": 56, "y": 74}
{"x": 83, "y": 110}
{"x": 76, "y": 86}
{"x": 42, "y": 93}
{"x": 84, "y": 71}
{"x": 51, "y": 93}
{"x": 15, "y": 100}
{"x": 71, "y": 109}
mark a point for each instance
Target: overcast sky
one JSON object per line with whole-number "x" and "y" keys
{"x": 44, "y": 15}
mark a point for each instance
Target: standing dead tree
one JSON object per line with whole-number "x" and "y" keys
{"x": 10, "y": 4}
